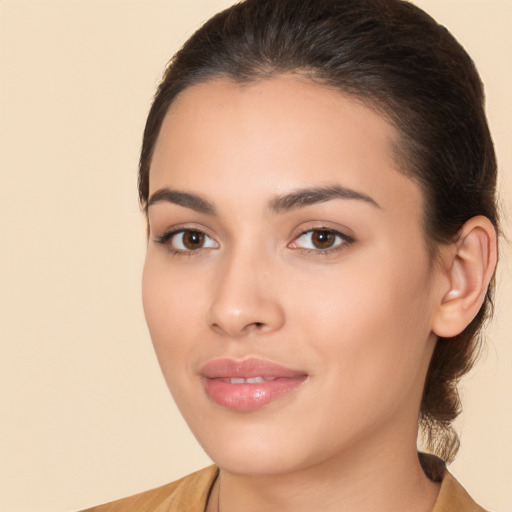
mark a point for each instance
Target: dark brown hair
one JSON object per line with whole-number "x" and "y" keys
{"x": 398, "y": 60}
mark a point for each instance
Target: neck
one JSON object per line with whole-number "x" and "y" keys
{"x": 377, "y": 479}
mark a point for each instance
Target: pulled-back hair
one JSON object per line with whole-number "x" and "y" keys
{"x": 396, "y": 59}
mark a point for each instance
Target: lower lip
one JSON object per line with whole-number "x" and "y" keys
{"x": 250, "y": 396}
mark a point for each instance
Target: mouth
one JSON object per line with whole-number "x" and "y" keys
{"x": 248, "y": 384}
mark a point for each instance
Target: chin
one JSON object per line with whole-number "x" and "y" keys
{"x": 253, "y": 462}
{"x": 254, "y": 447}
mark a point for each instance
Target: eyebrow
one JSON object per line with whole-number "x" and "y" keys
{"x": 185, "y": 199}
{"x": 291, "y": 201}
{"x": 310, "y": 196}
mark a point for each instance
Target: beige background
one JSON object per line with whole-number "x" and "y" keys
{"x": 85, "y": 415}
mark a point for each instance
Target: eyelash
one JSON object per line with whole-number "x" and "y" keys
{"x": 346, "y": 241}
{"x": 166, "y": 238}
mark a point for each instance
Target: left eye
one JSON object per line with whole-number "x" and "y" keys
{"x": 320, "y": 239}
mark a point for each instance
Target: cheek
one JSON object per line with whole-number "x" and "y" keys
{"x": 364, "y": 296}
{"x": 372, "y": 322}
{"x": 171, "y": 308}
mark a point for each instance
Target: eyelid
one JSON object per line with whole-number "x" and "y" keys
{"x": 168, "y": 235}
{"x": 346, "y": 239}
{"x": 339, "y": 232}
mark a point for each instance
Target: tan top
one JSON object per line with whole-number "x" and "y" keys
{"x": 190, "y": 494}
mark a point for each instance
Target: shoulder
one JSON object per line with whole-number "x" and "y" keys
{"x": 189, "y": 493}
{"x": 454, "y": 498}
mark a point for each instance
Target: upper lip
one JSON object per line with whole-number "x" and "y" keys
{"x": 247, "y": 368}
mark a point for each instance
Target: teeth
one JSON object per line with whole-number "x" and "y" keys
{"x": 250, "y": 380}
{"x": 253, "y": 380}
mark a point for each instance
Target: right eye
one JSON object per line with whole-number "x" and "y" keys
{"x": 187, "y": 240}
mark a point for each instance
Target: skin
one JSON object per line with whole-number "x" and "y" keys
{"x": 358, "y": 319}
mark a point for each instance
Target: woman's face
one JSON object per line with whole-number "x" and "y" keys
{"x": 287, "y": 249}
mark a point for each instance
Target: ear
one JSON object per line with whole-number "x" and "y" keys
{"x": 468, "y": 266}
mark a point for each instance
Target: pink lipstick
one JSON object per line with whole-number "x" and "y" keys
{"x": 248, "y": 384}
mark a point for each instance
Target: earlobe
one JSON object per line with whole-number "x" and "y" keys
{"x": 468, "y": 269}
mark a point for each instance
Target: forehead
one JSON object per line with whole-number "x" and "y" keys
{"x": 274, "y": 135}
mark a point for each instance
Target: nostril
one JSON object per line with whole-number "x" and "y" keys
{"x": 254, "y": 327}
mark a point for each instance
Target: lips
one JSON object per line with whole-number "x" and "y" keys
{"x": 248, "y": 384}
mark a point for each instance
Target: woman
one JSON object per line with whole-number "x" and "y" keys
{"x": 319, "y": 183}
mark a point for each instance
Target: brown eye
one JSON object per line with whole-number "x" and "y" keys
{"x": 187, "y": 240}
{"x": 323, "y": 239}
{"x": 193, "y": 240}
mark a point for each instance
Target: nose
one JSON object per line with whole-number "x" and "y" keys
{"x": 245, "y": 298}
